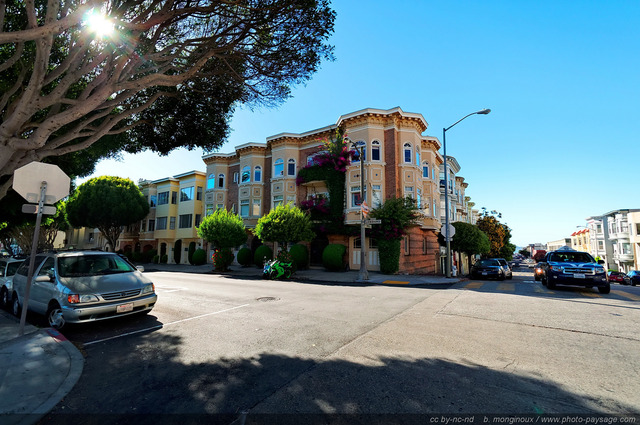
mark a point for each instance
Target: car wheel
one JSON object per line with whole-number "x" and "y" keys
{"x": 55, "y": 318}
{"x": 537, "y": 277}
{"x": 502, "y": 277}
{"x": 4, "y": 297}
{"x": 604, "y": 289}
{"x": 510, "y": 276}
{"x": 15, "y": 306}
{"x": 550, "y": 285}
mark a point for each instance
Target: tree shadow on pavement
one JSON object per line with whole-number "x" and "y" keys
{"x": 150, "y": 384}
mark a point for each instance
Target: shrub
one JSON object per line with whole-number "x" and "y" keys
{"x": 137, "y": 257}
{"x": 333, "y": 257}
{"x": 389, "y": 254}
{"x": 244, "y": 257}
{"x": 148, "y": 256}
{"x": 261, "y": 252}
{"x": 199, "y": 257}
{"x": 300, "y": 255}
{"x": 222, "y": 259}
{"x": 156, "y": 259}
{"x": 190, "y": 251}
{"x": 164, "y": 259}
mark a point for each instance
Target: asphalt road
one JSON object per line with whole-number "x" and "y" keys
{"x": 218, "y": 346}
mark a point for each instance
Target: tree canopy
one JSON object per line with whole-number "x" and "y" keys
{"x": 223, "y": 229}
{"x": 498, "y": 234}
{"x": 107, "y": 203}
{"x": 168, "y": 75}
{"x": 284, "y": 224}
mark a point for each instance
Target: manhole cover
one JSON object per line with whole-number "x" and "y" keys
{"x": 265, "y": 299}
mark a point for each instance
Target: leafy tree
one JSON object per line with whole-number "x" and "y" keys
{"x": 470, "y": 240}
{"x": 168, "y": 71}
{"x": 107, "y": 203}
{"x": 397, "y": 214}
{"x": 525, "y": 253}
{"x": 223, "y": 229}
{"x": 495, "y": 231}
{"x": 284, "y": 224}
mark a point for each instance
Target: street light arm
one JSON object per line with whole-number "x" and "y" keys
{"x": 481, "y": 112}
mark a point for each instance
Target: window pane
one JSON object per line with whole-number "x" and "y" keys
{"x": 246, "y": 175}
{"x": 278, "y": 169}
{"x": 291, "y": 167}
{"x": 257, "y": 174}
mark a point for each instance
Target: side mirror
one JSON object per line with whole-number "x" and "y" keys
{"x": 44, "y": 278}
{"x": 140, "y": 268}
{"x": 601, "y": 262}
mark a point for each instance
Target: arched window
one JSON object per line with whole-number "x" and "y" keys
{"x": 211, "y": 181}
{"x": 360, "y": 151}
{"x": 375, "y": 150}
{"x": 278, "y": 168}
{"x": 246, "y": 175}
{"x": 291, "y": 167}
{"x": 425, "y": 170}
{"x": 408, "y": 151}
{"x": 257, "y": 173}
{"x": 220, "y": 181}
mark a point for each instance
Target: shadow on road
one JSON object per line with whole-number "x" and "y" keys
{"x": 149, "y": 383}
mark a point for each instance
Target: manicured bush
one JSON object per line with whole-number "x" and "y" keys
{"x": 164, "y": 259}
{"x": 136, "y": 257}
{"x": 333, "y": 257}
{"x": 222, "y": 259}
{"x": 389, "y": 254}
{"x": 244, "y": 257}
{"x": 190, "y": 251}
{"x": 261, "y": 252}
{"x": 148, "y": 256}
{"x": 156, "y": 259}
{"x": 300, "y": 255}
{"x": 199, "y": 257}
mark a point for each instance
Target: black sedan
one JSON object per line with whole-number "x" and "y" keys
{"x": 487, "y": 269}
{"x": 632, "y": 278}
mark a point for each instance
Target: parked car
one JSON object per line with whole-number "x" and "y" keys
{"x": 82, "y": 286}
{"x": 632, "y": 278}
{"x": 567, "y": 266}
{"x": 8, "y": 267}
{"x": 538, "y": 271}
{"x": 614, "y": 276}
{"x": 487, "y": 269}
{"x": 505, "y": 266}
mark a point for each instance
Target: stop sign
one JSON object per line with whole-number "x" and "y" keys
{"x": 28, "y": 180}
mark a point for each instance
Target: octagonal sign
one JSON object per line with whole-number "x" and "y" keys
{"x": 28, "y": 180}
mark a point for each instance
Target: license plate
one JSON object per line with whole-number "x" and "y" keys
{"x": 579, "y": 275}
{"x": 484, "y": 273}
{"x": 124, "y": 308}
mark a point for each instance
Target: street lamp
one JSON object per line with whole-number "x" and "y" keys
{"x": 363, "y": 274}
{"x": 446, "y": 186}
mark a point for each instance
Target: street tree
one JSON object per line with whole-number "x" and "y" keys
{"x": 146, "y": 75}
{"x": 495, "y": 231}
{"x": 539, "y": 255}
{"x": 470, "y": 240}
{"x": 284, "y": 224}
{"x": 107, "y": 203}
{"x": 223, "y": 229}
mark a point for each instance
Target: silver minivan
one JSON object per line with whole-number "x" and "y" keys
{"x": 82, "y": 286}
{"x": 8, "y": 267}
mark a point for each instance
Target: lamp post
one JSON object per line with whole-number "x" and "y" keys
{"x": 446, "y": 186}
{"x": 363, "y": 274}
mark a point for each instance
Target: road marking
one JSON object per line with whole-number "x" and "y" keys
{"x": 541, "y": 290}
{"x": 626, "y": 295}
{"x": 590, "y": 294}
{"x": 395, "y": 282}
{"x": 474, "y": 285}
{"x": 168, "y": 289}
{"x": 506, "y": 287}
{"x": 164, "y": 324}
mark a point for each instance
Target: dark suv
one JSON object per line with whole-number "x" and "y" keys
{"x": 573, "y": 268}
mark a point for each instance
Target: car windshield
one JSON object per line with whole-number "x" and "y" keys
{"x": 92, "y": 265}
{"x": 571, "y": 257}
{"x": 487, "y": 263}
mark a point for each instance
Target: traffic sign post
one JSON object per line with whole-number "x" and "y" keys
{"x": 42, "y": 184}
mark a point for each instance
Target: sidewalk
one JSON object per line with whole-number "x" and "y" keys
{"x": 39, "y": 368}
{"x": 315, "y": 275}
{"x": 36, "y": 370}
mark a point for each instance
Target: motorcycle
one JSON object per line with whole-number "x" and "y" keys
{"x": 275, "y": 269}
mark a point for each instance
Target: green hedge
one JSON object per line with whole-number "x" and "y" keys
{"x": 300, "y": 255}
{"x": 260, "y": 254}
{"x": 389, "y": 254}
{"x": 244, "y": 257}
{"x": 333, "y": 257}
{"x": 199, "y": 257}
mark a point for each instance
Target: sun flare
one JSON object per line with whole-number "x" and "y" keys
{"x": 99, "y": 24}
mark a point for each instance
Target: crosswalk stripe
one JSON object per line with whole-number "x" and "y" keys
{"x": 626, "y": 295}
{"x": 474, "y": 285}
{"x": 590, "y": 294}
{"x": 506, "y": 287}
{"x": 542, "y": 290}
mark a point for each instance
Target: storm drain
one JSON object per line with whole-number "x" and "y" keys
{"x": 266, "y": 299}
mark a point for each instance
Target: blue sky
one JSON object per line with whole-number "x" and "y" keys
{"x": 561, "y": 78}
